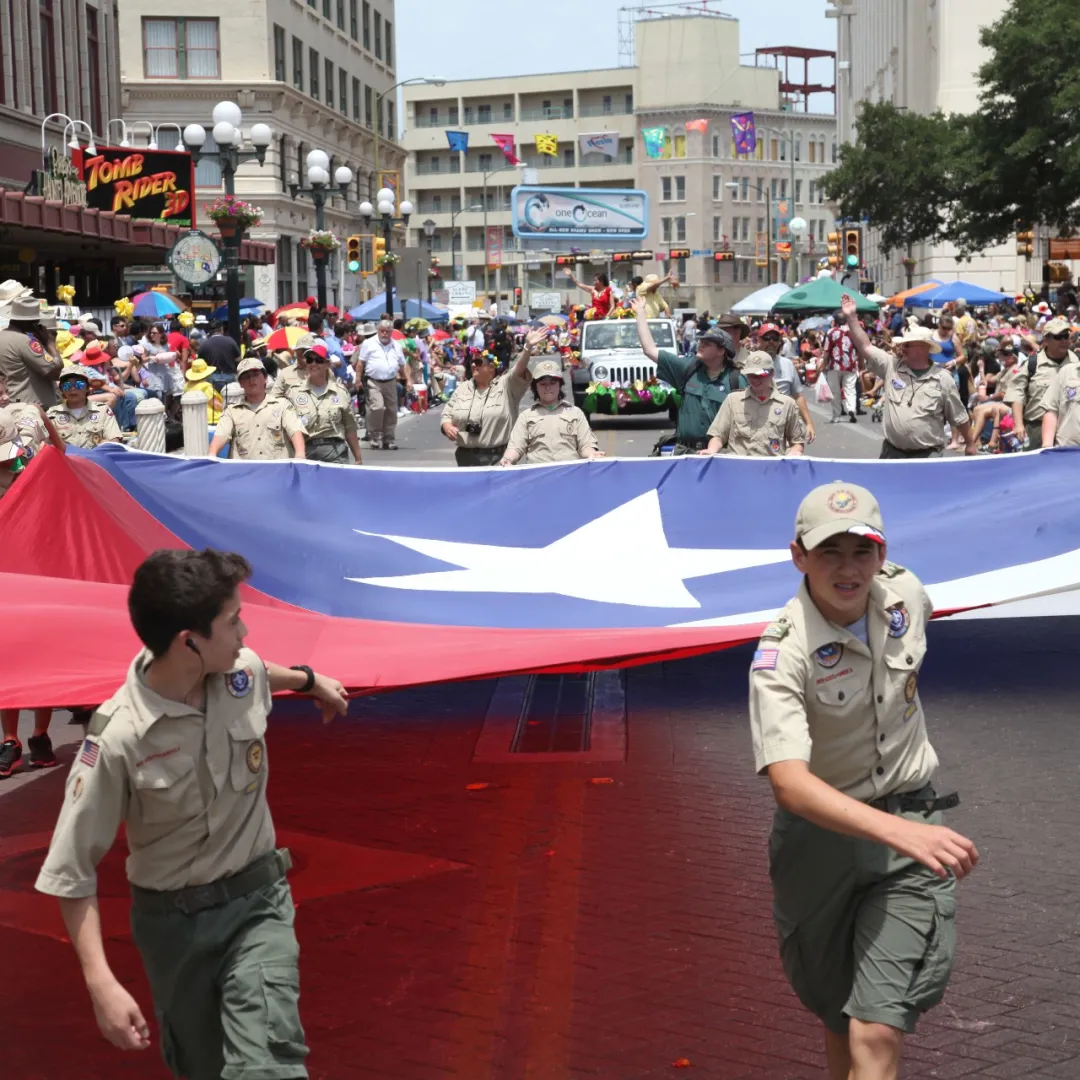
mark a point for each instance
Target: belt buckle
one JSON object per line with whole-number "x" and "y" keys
{"x": 199, "y": 898}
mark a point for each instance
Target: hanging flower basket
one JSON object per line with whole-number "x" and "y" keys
{"x": 320, "y": 242}
{"x": 908, "y": 261}
{"x": 232, "y": 215}
{"x": 390, "y": 259}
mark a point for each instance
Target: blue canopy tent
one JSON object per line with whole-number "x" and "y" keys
{"x": 375, "y": 308}
{"x": 957, "y": 290}
{"x": 247, "y": 306}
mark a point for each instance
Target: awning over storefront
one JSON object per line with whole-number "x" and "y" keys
{"x": 56, "y": 230}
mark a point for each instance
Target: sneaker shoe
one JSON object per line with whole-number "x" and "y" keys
{"x": 41, "y": 752}
{"x": 10, "y": 756}
{"x": 390, "y": 446}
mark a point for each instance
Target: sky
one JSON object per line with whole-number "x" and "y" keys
{"x": 475, "y": 38}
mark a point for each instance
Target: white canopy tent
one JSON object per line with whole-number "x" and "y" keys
{"x": 761, "y": 302}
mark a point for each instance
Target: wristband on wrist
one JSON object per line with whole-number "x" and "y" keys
{"x": 310, "y": 677}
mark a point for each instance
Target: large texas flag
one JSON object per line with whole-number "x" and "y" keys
{"x": 388, "y": 577}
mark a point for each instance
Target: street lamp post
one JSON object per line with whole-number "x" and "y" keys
{"x": 733, "y": 185}
{"x": 230, "y": 139}
{"x": 789, "y": 138}
{"x": 492, "y": 172}
{"x": 797, "y": 228}
{"x": 385, "y": 207}
{"x": 429, "y": 232}
{"x": 318, "y": 178}
{"x": 431, "y": 81}
{"x": 453, "y": 235}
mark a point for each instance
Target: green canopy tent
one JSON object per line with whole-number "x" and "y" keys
{"x": 823, "y": 295}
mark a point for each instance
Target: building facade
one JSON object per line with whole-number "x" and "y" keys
{"x": 318, "y": 73}
{"x": 921, "y": 55}
{"x": 691, "y": 203}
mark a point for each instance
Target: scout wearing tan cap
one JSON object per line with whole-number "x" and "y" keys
{"x": 920, "y": 396}
{"x": 1027, "y": 388}
{"x": 259, "y": 428}
{"x": 1061, "y": 419}
{"x": 551, "y": 430}
{"x": 758, "y": 421}
{"x": 81, "y": 422}
{"x": 864, "y": 875}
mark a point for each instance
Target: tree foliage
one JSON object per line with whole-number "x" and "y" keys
{"x": 1020, "y": 159}
{"x": 898, "y": 174}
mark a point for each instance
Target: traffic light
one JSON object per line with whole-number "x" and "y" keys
{"x": 724, "y": 256}
{"x": 517, "y": 295}
{"x": 834, "y": 249}
{"x": 679, "y": 253}
{"x": 378, "y": 247}
{"x": 352, "y": 253}
{"x": 1025, "y": 244}
{"x": 852, "y": 248}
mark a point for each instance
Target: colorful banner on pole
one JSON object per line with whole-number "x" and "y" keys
{"x": 599, "y": 142}
{"x": 494, "y": 246}
{"x": 458, "y": 140}
{"x": 698, "y": 125}
{"x": 761, "y": 249}
{"x": 744, "y": 133}
{"x": 548, "y": 144}
{"x": 154, "y": 184}
{"x": 506, "y": 144}
{"x": 654, "y": 141}
{"x": 782, "y": 218}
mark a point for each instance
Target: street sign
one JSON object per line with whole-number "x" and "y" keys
{"x": 701, "y": 251}
{"x": 460, "y": 292}
{"x": 546, "y": 301}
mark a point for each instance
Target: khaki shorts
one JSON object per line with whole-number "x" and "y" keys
{"x": 864, "y": 932}
{"x": 226, "y": 987}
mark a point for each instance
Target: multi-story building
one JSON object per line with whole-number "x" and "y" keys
{"x": 692, "y": 204}
{"x": 921, "y": 55}
{"x": 318, "y": 73}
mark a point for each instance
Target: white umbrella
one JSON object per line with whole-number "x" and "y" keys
{"x": 877, "y": 298}
{"x": 761, "y": 302}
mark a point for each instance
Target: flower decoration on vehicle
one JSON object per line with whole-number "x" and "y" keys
{"x": 610, "y": 398}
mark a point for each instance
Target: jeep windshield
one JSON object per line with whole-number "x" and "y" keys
{"x": 622, "y": 334}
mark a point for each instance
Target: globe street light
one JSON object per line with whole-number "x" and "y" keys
{"x": 429, "y": 232}
{"x": 318, "y": 178}
{"x": 797, "y": 228}
{"x": 385, "y": 206}
{"x": 229, "y": 137}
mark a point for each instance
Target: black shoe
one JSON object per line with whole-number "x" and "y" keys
{"x": 10, "y": 756}
{"x": 851, "y": 417}
{"x": 41, "y": 752}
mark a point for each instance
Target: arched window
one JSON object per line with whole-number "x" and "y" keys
{"x": 798, "y": 146}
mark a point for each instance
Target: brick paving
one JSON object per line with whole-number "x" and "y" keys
{"x": 559, "y": 926}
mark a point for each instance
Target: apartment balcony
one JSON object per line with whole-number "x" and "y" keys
{"x": 585, "y": 110}
{"x": 425, "y": 168}
{"x": 553, "y": 112}
{"x": 483, "y": 120}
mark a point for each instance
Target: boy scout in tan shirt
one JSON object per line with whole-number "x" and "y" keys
{"x": 178, "y": 755}
{"x": 758, "y": 421}
{"x": 1061, "y": 418}
{"x": 863, "y": 872}
{"x": 1027, "y": 388}
{"x": 259, "y": 428}
{"x": 79, "y": 421}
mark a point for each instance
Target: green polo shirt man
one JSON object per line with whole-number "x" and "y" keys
{"x": 703, "y": 381}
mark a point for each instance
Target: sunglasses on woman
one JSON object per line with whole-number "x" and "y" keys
{"x": 1063, "y": 336}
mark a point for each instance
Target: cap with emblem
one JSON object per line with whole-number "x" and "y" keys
{"x": 838, "y": 508}
{"x": 548, "y": 369}
{"x": 770, "y": 328}
{"x": 758, "y": 363}
{"x": 304, "y": 342}
{"x": 1058, "y": 325}
{"x": 249, "y": 363}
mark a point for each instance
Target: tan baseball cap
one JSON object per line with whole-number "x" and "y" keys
{"x": 758, "y": 363}
{"x": 548, "y": 369}
{"x": 249, "y": 363}
{"x": 838, "y": 508}
{"x": 1058, "y": 325}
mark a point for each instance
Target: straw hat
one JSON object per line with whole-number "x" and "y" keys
{"x": 199, "y": 370}
{"x": 919, "y": 335}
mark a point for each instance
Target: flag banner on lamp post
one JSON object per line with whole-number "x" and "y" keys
{"x": 701, "y": 125}
{"x": 506, "y": 144}
{"x": 781, "y": 219}
{"x": 599, "y": 142}
{"x": 744, "y": 133}
{"x": 458, "y": 140}
{"x": 654, "y": 141}
{"x": 548, "y": 144}
{"x": 493, "y": 242}
{"x": 761, "y": 249}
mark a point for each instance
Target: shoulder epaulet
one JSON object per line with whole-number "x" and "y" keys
{"x": 891, "y": 570}
{"x": 778, "y": 630}
{"x": 103, "y": 714}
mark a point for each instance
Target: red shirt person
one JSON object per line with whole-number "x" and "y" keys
{"x": 600, "y": 290}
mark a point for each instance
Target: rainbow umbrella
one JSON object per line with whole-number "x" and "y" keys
{"x": 156, "y": 305}
{"x": 285, "y": 337}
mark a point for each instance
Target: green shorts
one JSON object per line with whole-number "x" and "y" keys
{"x": 226, "y": 987}
{"x": 864, "y": 932}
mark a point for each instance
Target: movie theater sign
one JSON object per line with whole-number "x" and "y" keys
{"x": 158, "y": 185}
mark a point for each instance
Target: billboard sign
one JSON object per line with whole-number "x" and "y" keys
{"x": 545, "y": 301}
{"x": 158, "y": 185}
{"x": 580, "y": 213}
{"x": 460, "y": 292}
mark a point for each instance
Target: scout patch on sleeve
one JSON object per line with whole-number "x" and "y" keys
{"x": 89, "y": 754}
{"x": 35, "y": 345}
{"x": 239, "y": 683}
{"x": 828, "y": 656}
{"x": 891, "y": 569}
{"x": 911, "y": 686}
{"x": 899, "y": 620}
{"x": 776, "y": 631}
{"x": 765, "y": 660}
{"x": 76, "y": 789}
{"x": 774, "y": 445}
{"x": 255, "y": 756}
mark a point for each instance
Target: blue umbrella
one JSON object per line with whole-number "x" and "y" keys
{"x": 248, "y": 304}
{"x": 155, "y": 305}
{"x": 957, "y": 290}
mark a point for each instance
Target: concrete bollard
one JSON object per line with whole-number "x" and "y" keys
{"x": 150, "y": 426}
{"x": 233, "y": 394}
{"x": 196, "y": 426}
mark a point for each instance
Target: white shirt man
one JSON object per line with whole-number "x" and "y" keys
{"x": 474, "y": 339}
{"x": 382, "y": 360}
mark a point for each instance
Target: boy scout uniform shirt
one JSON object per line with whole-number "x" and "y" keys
{"x": 543, "y": 435}
{"x": 260, "y": 432}
{"x": 702, "y": 397}
{"x": 95, "y": 426}
{"x": 31, "y": 372}
{"x": 752, "y": 428}
{"x": 495, "y": 409}
{"x": 1062, "y": 398}
{"x": 28, "y": 423}
{"x": 190, "y": 786}
{"x": 918, "y": 404}
{"x": 287, "y": 378}
{"x": 327, "y": 415}
{"x": 1031, "y": 391}
{"x": 819, "y": 695}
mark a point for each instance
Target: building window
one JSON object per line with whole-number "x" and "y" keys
{"x": 717, "y": 230}
{"x": 665, "y": 230}
{"x": 391, "y": 120}
{"x": 568, "y": 108}
{"x": 313, "y": 74}
{"x": 330, "y": 83}
{"x": 379, "y": 115}
{"x": 606, "y": 106}
{"x": 678, "y": 147}
{"x": 208, "y": 169}
{"x": 389, "y": 43}
{"x": 93, "y": 57}
{"x": 483, "y": 114}
{"x": 760, "y": 224}
{"x": 628, "y": 103}
{"x": 680, "y": 269}
{"x": 48, "y": 55}
{"x": 798, "y": 148}
{"x": 433, "y": 117}
{"x": 813, "y": 151}
{"x": 356, "y": 114}
{"x": 680, "y": 188}
{"x": 798, "y": 192}
{"x": 760, "y": 275}
{"x": 298, "y": 64}
{"x": 469, "y": 117}
{"x": 343, "y": 91}
{"x": 436, "y": 204}
{"x": 353, "y": 29}
{"x": 746, "y": 228}
{"x": 665, "y": 189}
{"x": 508, "y": 110}
{"x": 369, "y": 111}
{"x": 341, "y": 14}
{"x": 484, "y": 161}
{"x": 283, "y": 164}
{"x": 378, "y": 35}
{"x": 568, "y": 157}
{"x": 452, "y": 115}
{"x": 181, "y": 49}
{"x": 366, "y": 23}
{"x": 718, "y": 187}
{"x": 279, "y": 53}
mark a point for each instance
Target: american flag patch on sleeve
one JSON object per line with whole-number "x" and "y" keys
{"x": 89, "y": 754}
{"x": 765, "y": 660}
